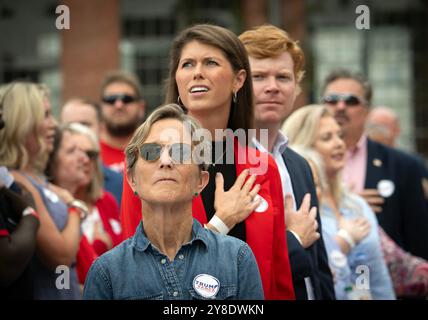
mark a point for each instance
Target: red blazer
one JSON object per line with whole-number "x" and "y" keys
{"x": 265, "y": 231}
{"x": 84, "y": 259}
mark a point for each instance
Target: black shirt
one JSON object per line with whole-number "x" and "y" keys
{"x": 21, "y": 288}
{"x": 229, "y": 174}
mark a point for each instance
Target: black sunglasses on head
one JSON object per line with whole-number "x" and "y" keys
{"x": 179, "y": 152}
{"x": 125, "y": 98}
{"x": 348, "y": 99}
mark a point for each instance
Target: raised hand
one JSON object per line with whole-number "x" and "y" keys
{"x": 358, "y": 228}
{"x": 302, "y": 222}
{"x": 373, "y": 198}
{"x": 235, "y": 205}
{"x": 100, "y": 234}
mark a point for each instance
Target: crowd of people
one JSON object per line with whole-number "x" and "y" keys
{"x": 314, "y": 203}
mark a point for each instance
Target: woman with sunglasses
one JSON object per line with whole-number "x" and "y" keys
{"x": 210, "y": 77}
{"x": 171, "y": 255}
{"x": 27, "y": 141}
{"x": 75, "y": 166}
{"x": 346, "y": 217}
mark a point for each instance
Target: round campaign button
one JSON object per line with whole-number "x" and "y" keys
{"x": 263, "y": 206}
{"x": 205, "y": 285}
{"x": 51, "y": 195}
{"x": 386, "y": 188}
{"x": 338, "y": 259}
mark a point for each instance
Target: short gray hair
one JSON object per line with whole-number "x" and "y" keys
{"x": 167, "y": 111}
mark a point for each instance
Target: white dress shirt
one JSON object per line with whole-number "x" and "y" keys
{"x": 278, "y": 148}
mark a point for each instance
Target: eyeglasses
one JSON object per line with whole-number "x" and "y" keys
{"x": 125, "y": 98}
{"x": 349, "y": 99}
{"x": 179, "y": 152}
{"x": 91, "y": 154}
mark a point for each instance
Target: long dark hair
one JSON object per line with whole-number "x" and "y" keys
{"x": 242, "y": 113}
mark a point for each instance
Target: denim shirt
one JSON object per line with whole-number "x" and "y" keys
{"x": 368, "y": 252}
{"x": 136, "y": 269}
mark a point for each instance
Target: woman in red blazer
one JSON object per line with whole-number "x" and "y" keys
{"x": 209, "y": 72}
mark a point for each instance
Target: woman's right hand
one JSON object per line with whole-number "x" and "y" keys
{"x": 100, "y": 234}
{"x": 235, "y": 205}
{"x": 358, "y": 228}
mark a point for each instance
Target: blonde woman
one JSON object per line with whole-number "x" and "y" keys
{"x": 26, "y": 143}
{"x": 346, "y": 217}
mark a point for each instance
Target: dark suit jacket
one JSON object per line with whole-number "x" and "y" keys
{"x": 404, "y": 214}
{"x": 311, "y": 262}
{"x": 113, "y": 182}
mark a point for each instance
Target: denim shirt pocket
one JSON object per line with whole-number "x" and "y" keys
{"x": 158, "y": 296}
{"x": 224, "y": 293}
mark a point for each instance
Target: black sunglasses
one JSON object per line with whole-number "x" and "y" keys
{"x": 349, "y": 99}
{"x": 179, "y": 152}
{"x": 125, "y": 98}
{"x": 91, "y": 154}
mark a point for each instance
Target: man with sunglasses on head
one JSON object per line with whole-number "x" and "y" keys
{"x": 388, "y": 179}
{"x": 123, "y": 111}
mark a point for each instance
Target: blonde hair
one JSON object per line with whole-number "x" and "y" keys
{"x": 301, "y": 128}
{"x": 315, "y": 162}
{"x": 95, "y": 187}
{"x": 23, "y": 114}
{"x": 268, "y": 41}
{"x": 302, "y": 125}
{"x": 168, "y": 111}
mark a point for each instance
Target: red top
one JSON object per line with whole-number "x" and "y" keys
{"x": 113, "y": 158}
{"x": 109, "y": 213}
{"x": 265, "y": 231}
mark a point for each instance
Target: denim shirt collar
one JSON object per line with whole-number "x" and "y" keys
{"x": 141, "y": 243}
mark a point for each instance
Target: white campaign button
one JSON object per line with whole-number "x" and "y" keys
{"x": 205, "y": 285}
{"x": 115, "y": 225}
{"x": 338, "y": 259}
{"x": 50, "y": 195}
{"x": 386, "y": 188}
{"x": 263, "y": 206}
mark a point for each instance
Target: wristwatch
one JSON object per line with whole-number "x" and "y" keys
{"x": 81, "y": 206}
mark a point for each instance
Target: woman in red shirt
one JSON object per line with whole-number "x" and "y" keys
{"x": 101, "y": 228}
{"x": 210, "y": 77}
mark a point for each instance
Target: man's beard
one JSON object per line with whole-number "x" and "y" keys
{"x": 122, "y": 129}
